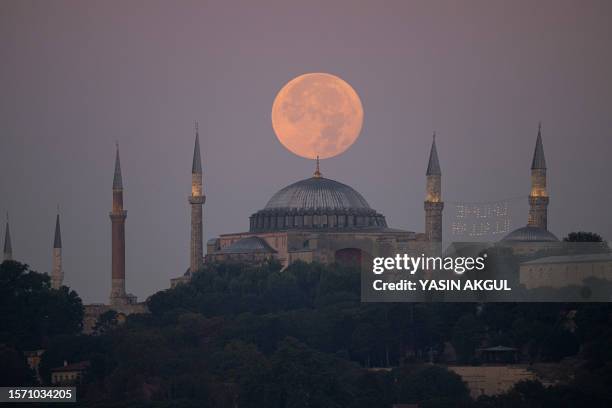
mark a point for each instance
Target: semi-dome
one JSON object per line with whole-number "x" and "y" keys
{"x": 316, "y": 203}
{"x": 530, "y": 233}
{"x": 248, "y": 245}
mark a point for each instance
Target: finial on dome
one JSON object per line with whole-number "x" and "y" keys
{"x": 317, "y": 173}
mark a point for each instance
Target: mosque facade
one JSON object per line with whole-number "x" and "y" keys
{"x": 323, "y": 220}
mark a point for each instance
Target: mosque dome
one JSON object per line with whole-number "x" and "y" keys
{"x": 530, "y": 233}
{"x": 316, "y": 203}
{"x": 317, "y": 192}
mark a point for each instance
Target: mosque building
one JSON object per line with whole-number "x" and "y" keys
{"x": 315, "y": 219}
{"x": 323, "y": 220}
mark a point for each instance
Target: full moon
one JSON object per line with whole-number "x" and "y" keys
{"x": 317, "y": 114}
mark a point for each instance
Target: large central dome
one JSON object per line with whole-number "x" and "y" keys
{"x": 316, "y": 203}
{"x": 317, "y": 192}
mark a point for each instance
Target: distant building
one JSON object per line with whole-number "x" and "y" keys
{"x": 69, "y": 374}
{"x": 567, "y": 270}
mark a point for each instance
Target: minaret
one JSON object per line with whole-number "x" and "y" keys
{"x": 57, "y": 274}
{"x": 196, "y": 199}
{"x": 538, "y": 199}
{"x": 433, "y": 197}
{"x": 118, "y": 216}
{"x": 8, "y": 248}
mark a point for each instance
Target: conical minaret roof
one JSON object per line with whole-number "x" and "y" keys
{"x": 117, "y": 179}
{"x": 8, "y": 248}
{"x": 57, "y": 241}
{"x": 433, "y": 167}
{"x": 196, "y": 167}
{"x": 539, "y": 161}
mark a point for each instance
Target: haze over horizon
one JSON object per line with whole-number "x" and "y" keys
{"x": 76, "y": 76}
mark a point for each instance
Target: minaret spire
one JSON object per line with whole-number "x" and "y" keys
{"x": 433, "y": 196}
{"x": 433, "y": 166}
{"x": 117, "y": 179}
{"x": 539, "y": 161}
{"x": 8, "y": 248}
{"x": 57, "y": 274}
{"x": 57, "y": 241}
{"x": 196, "y": 167}
{"x": 196, "y": 200}
{"x": 538, "y": 198}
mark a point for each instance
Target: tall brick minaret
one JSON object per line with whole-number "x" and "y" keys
{"x": 118, "y": 216}
{"x": 538, "y": 198}
{"x": 57, "y": 274}
{"x": 8, "y": 248}
{"x": 433, "y": 196}
{"x": 196, "y": 199}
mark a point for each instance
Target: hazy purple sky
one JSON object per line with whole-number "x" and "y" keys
{"x": 76, "y": 76}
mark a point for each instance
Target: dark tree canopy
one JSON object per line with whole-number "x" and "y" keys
{"x": 30, "y": 311}
{"x": 583, "y": 236}
{"x": 256, "y": 336}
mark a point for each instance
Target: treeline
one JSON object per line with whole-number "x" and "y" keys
{"x": 256, "y": 336}
{"x": 31, "y": 314}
